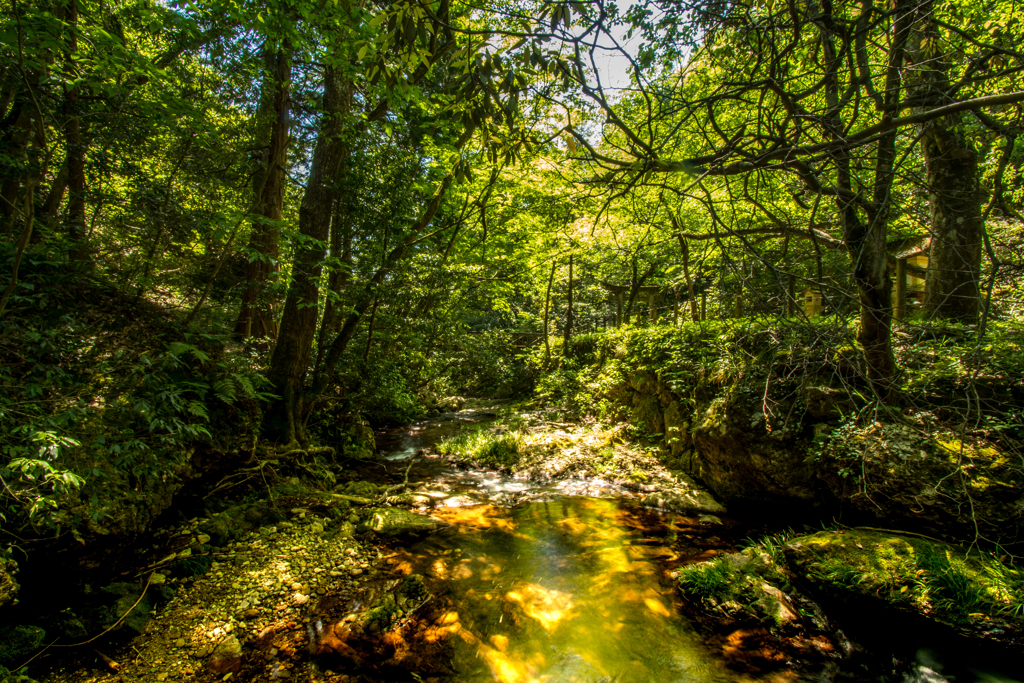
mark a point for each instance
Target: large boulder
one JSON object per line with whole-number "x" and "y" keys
{"x": 451, "y": 404}
{"x": 647, "y": 413}
{"x": 398, "y": 522}
{"x": 685, "y": 498}
{"x": 976, "y": 596}
{"x": 743, "y": 458}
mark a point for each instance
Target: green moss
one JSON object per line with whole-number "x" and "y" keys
{"x": 647, "y": 414}
{"x": 914, "y": 573}
{"x": 383, "y": 615}
{"x": 363, "y": 489}
{"x": 17, "y": 643}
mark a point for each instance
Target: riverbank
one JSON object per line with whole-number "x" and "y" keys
{"x": 370, "y": 579}
{"x": 272, "y": 587}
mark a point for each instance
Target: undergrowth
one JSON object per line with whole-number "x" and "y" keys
{"x": 482, "y": 446}
{"x": 92, "y": 407}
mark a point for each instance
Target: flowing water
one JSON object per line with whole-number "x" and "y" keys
{"x": 563, "y": 590}
{"x": 568, "y": 582}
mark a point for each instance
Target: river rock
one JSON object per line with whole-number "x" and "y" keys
{"x": 451, "y": 404}
{"x": 359, "y": 635}
{"x": 398, "y": 522}
{"x": 227, "y": 656}
{"x": 686, "y": 499}
{"x": 363, "y": 489}
{"x": 412, "y": 499}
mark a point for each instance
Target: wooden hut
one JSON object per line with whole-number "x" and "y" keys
{"x": 812, "y": 301}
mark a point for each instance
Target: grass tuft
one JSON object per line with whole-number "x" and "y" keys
{"x": 706, "y": 580}
{"x": 483, "y": 447}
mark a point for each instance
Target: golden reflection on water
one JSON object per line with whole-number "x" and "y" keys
{"x": 562, "y": 591}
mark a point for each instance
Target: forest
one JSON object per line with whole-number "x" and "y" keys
{"x": 763, "y": 255}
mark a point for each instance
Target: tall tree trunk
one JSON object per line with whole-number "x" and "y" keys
{"x": 51, "y": 208}
{"x": 547, "y": 314}
{"x": 865, "y": 241}
{"x": 23, "y": 240}
{"x": 74, "y": 218}
{"x": 567, "y": 335}
{"x": 685, "y": 250}
{"x": 954, "y": 190}
{"x": 370, "y": 289}
{"x": 256, "y": 317}
{"x": 338, "y": 276}
{"x": 291, "y": 356}
{"x": 369, "y": 329}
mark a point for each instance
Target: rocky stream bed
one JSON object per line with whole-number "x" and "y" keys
{"x": 566, "y": 567}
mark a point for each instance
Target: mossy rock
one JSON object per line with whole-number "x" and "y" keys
{"x": 644, "y": 382}
{"x": 647, "y": 414}
{"x": 363, "y": 489}
{"x": 18, "y": 643}
{"x": 127, "y": 594}
{"x": 976, "y": 595}
{"x": 686, "y": 498}
{"x": 397, "y": 522}
{"x": 677, "y": 429}
{"x": 924, "y": 479}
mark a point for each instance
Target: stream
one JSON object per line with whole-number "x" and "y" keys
{"x": 569, "y": 581}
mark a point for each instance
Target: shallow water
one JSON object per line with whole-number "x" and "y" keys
{"x": 568, "y": 582}
{"x": 565, "y": 590}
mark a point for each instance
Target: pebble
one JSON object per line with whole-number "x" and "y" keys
{"x": 357, "y": 571}
{"x": 296, "y": 586}
{"x": 180, "y": 642}
{"x": 251, "y": 613}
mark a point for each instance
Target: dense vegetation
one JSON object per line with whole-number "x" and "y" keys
{"x": 230, "y": 228}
